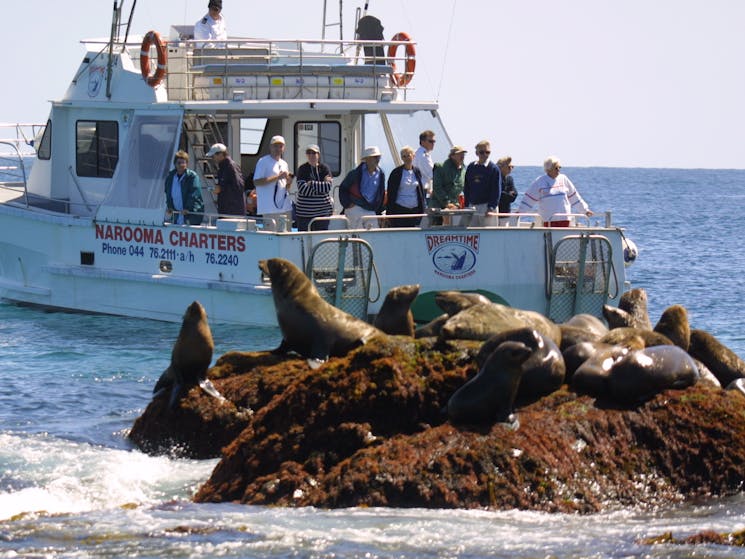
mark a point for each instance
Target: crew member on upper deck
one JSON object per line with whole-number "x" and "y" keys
{"x": 212, "y": 26}
{"x": 553, "y": 194}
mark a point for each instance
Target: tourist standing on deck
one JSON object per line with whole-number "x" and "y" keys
{"x": 231, "y": 199}
{"x": 405, "y": 192}
{"x": 448, "y": 180}
{"x": 553, "y": 194}
{"x": 313, "y": 191}
{"x": 212, "y": 26}
{"x": 272, "y": 179}
{"x": 362, "y": 192}
{"x": 483, "y": 184}
{"x": 509, "y": 192}
{"x": 423, "y": 160}
{"x": 184, "y": 192}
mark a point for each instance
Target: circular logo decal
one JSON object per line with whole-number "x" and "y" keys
{"x": 454, "y": 259}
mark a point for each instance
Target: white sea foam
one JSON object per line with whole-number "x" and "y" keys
{"x": 43, "y": 473}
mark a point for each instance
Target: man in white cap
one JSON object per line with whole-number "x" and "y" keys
{"x": 272, "y": 179}
{"x": 231, "y": 199}
{"x": 362, "y": 192}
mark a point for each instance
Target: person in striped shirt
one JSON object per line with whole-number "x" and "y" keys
{"x": 313, "y": 191}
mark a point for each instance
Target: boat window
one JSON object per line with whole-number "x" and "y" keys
{"x": 252, "y": 131}
{"x": 327, "y": 135}
{"x": 45, "y": 145}
{"x": 96, "y": 148}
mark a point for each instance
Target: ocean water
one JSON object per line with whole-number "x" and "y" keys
{"x": 71, "y": 385}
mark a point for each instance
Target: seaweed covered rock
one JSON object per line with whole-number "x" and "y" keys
{"x": 369, "y": 429}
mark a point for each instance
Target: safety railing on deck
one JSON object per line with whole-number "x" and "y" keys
{"x": 240, "y": 69}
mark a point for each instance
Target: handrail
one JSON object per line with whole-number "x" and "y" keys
{"x": 80, "y": 190}
{"x": 22, "y": 165}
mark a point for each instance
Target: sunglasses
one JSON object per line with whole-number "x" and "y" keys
{"x": 483, "y": 152}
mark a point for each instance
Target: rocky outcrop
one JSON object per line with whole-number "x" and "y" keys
{"x": 369, "y": 429}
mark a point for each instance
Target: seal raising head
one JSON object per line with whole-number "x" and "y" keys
{"x": 191, "y": 355}
{"x": 310, "y": 326}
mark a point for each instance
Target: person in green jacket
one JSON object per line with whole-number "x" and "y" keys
{"x": 448, "y": 180}
{"x": 183, "y": 193}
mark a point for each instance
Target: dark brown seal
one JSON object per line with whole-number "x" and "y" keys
{"x": 722, "y": 361}
{"x": 490, "y": 396}
{"x": 543, "y": 371}
{"x": 310, "y": 326}
{"x": 643, "y": 373}
{"x": 190, "y": 357}
{"x": 395, "y": 315}
{"x": 674, "y": 324}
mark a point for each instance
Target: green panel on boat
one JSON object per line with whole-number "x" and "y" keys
{"x": 425, "y": 309}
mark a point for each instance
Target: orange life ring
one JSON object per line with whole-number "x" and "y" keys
{"x": 401, "y": 80}
{"x": 153, "y": 38}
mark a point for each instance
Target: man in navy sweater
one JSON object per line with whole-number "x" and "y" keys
{"x": 483, "y": 184}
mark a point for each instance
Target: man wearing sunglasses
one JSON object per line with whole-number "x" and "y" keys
{"x": 483, "y": 184}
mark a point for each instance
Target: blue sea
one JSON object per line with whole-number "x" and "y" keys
{"x": 71, "y": 386}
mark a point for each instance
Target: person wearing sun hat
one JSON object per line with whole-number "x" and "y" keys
{"x": 362, "y": 192}
{"x": 313, "y": 191}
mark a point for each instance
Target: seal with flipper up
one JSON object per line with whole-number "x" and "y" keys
{"x": 310, "y": 326}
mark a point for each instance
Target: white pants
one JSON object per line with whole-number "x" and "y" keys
{"x": 355, "y": 214}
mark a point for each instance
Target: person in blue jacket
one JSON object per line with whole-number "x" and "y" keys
{"x": 362, "y": 192}
{"x": 183, "y": 193}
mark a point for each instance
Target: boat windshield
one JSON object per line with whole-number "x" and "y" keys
{"x": 144, "y": 161}
{"x": 405, "y": 130}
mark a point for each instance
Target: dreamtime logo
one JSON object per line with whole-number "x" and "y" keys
{"x": 453, "y": 256}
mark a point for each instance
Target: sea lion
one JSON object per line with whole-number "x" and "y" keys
{"x": 720, "y": 360}
{"x": 616, "y": 318}
{"x": 591, "y": 376}
{"x": 674, "y": 324}
{"x": 543, "y": 371}
{"x": 481, "y": 321}
{"x": 577, "y": 354}
{"x": 452, "y": 302}
{"x": 641, "y": 374}
{"x": 592, "y": 324}
{"x": 737, "y": 384}
{"x": 623, "y": 336}
{"x": 432, "y": 328}
{"x": 190, "y": 357}
{"x": 634, "y": 302}
{"x": 490, "y": 395}
{"x": 395, "y": 316}
{"x": 310, "y": 326}
{"x": 572, "y": 335}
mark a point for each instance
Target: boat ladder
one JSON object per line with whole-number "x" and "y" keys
{"x": 341, "y": 270}
{"x": 580, "y": 270}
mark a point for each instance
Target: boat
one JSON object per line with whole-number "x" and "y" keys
{"x": 86, "y": 230}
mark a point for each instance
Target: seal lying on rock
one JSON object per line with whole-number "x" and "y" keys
{"x": 489, "y": 396}
{"x": 480, "y": 322}
{"x": 452, "y": 302}
{"x": 626, "y": 335}
{"x": 641, "y": 374}
{"x": 542, "y": 372}
{"x": 310, "y": 326}
{"x": 432, "y": 328}
{"x": 395, "y": 315}
{"x": 722, "y": 361}
{"x": 190, "y": 357}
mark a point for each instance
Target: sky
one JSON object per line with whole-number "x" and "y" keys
{"x": 637, "y": 83}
